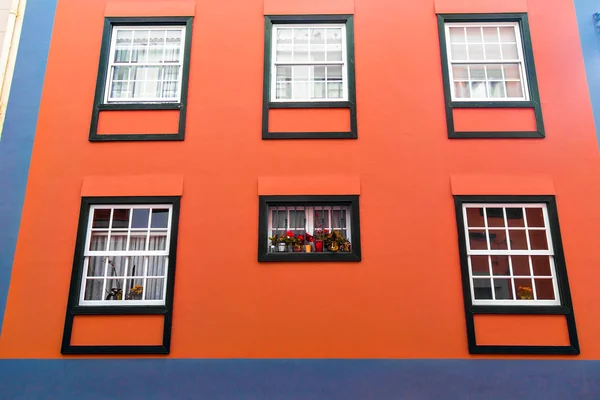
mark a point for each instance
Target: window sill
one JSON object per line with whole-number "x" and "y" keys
{"x": 492, "y": 104}
{"x": 313, "y": 257}
{"x": 139, "y": 106}
{"x": 309, "y": 135}
{"x": 496, "y": 135}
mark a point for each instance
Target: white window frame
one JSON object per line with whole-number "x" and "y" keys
{"x": 112, "y": 64}
{"x": 550, "y": 253}
{"x": 124, "y": 253}
{"x": 275, "y": 63}
{"x": 520, "y": 60}
{"x": 309, "y": 212}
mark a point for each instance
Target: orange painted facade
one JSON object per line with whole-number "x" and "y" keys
{"x": 404, "y": 299}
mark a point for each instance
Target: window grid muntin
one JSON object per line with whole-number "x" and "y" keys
{"x": 520, "y": 61}
{"x": 309, "y": 213}
{"x": 127, "y": 254}
{"x": 490, "y": 253}
{"x": 112, "y": 64}
{"x": 274, "y": 64}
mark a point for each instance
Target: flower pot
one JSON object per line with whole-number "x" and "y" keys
{"x": 296, "y": 248}
{"x": 281, "y": 247}
{"x": 334, "y": 247}
{"x": 319, "y": 246}
{"x": 307, "y": 248}
{"x": 347, "y": 246}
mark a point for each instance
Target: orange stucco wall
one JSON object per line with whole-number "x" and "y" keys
{"x": 405, "y": 298}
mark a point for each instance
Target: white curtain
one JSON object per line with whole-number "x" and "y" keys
{"x": 116, "y": 281}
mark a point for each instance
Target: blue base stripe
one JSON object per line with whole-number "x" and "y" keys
{"x": 298, "y": 379}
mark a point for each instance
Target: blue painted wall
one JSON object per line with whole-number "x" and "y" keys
{"x": 299, "y": 379}
{"x": 590, "y": 44}
{"x": 19, "y": 129}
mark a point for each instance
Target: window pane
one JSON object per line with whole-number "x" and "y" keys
{"x": 96, "y": 266}
{"x": 512, "y": 71}
{"x": 121, "y": 73}
{"x": 500, "y": 265}
{"x": 518, "y": 239}
{"x": 120, "y": 219}
{"x": 283, "y": 53}
{"x": 503, "y": 289}
{"x": 300, "y": 35}
{"x": 334, "y": 35}
{"x": 498, "y": 240}
{"x": 301, "y": 73}
{"x": 461, "y": 90}
{"x": 118, "y": 241}
{"x": 156, "y": 265}
{"x": 317, "y": 36}
{"x": 490, "y": 34}
{"x": 474, "y": 35}
{"x": 457, "y": 35}
{"x": 541, "y": 265}
{"x": 477, "y": 240}
{"x": 520, "y": 265}
{"x": 492, "y": 52}
{"x": 317, "y": 53}
{"x": 139, "y": 218}
{"x": 157, "y": 241}
{"x": 297, "y": 219}
{"x": 535, "y": 217}
{"x": 338, "y": 219}
{"x": 496, "y": 89}
{"x": 494, "y": 71}
{"x": 475, "y": 52}
{"x": 283, "y": 91}
{"x": 98, "y": 241}
{"x": 482, "y": 289}
{"x": 334, "y": 52}
{"x": 538, "y": 240}
{"x": 301, "y": 90}
{"x": 334, "y": 90}
{"x": 514, "y": 217}
{"x": 507, "y": 34}
{"x": 321, "y": 218}
{"x": 114, "y": 289}
{"x": 509, "y": 52}
{"x": 480, "y": 265}
{"x": 137, "y": 241}
{"x": 475, "y": 217}
{"x": 284, "y": 36}
{"x": 101, "y": 218}
{"x": 134, "y": 289}
{"x": 93, "y": 289}
{"x": 524, "y": 289}
{"x": 495, "y": 217}
{"x": 116, "y": 266}
{"x": 477, "y": 72}
{"x": 460, "y": 72}
{"x": 155, "y": 289}
{"x": 514, "y": 89}
{"x": 300, "y": 53}
{"x": 478, "y": 90}
{"x": 135, "y": 266}
{"x": 544, "y": 289}
{"x": 334, "y": 73}
{"x": 458, "y": 52}
{"x": 160, "y": 218}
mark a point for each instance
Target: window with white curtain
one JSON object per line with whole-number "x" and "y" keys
{"x": 486, "y": 61}
{"x": 145, "y": 64}
{"x": 126, "y": 255}
{"x": 309, "y": 62}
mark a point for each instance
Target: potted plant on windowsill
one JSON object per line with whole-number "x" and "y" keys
{"x": 135, "y": 293}
{"x": 319, "y": 237}
{"x": 335, "y": 242}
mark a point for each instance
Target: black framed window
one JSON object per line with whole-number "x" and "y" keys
{"x": 124, "y": 264}
{"x": 144, "y": 65}
{"x": 487, "y": 62}
{"x": 512, "y": 262}
{"x": 309, "y": 228}
{"x": 309, "y": 63}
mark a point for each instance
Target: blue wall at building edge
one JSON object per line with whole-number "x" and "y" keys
{"x": 265, "y": 379}
{"x": 19, "y": 129}
{"x": 590, "y": 45}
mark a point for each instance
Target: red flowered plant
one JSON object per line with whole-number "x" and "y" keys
{"x": 309, "y": 238}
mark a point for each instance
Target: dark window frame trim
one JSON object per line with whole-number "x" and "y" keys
{"x": 263, "y": 229}
{"x": 565, "y": 308}
{"x": 73, "y": 307}
{"x": 101, "y": 82}
{"x": 534, "y": 95}
{"x": 347, "y": 19}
